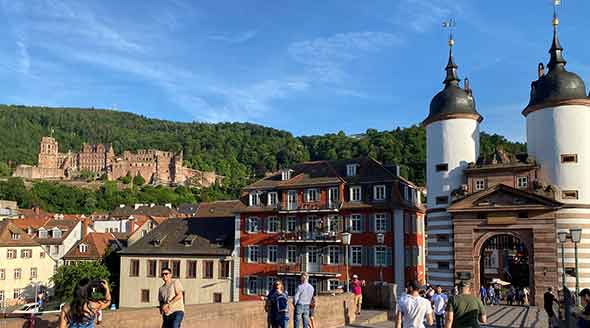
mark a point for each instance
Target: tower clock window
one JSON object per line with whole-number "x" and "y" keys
{"x": 443, "y": 167}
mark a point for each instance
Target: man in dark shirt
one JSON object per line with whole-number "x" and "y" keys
{"x": 548, "y": 300}
{"x": 465, "y": 310}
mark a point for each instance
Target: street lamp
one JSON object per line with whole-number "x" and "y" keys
{"x": 576, "y": 235}
{"x": 380, "y": 241}
{"x": 346, "y": 236}
{"x": 562, "y": 236}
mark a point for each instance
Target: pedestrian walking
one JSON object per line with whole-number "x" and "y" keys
{"x": 356, "y": 286}
{"x": 491, "y": 295}
{"x": 413, "y": 309}
{"x": 277, "y": 305}
{"x": 525, "y": 296}
{"x": 483, "y": 292}
{"x": 171, "y": 300}
{"x": 302, "y": 301}
{"x": 439, "y": 303}
{"x": 548, "y": 300}
{"x": 465, "y": 310}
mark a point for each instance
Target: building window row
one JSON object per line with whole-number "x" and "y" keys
{"x": 17, "y": 274}
{"x": 378, "y": 222}
{"x": 191, "y": 272}
{"x": 260, "y": 285}
{"x": 330, "y": 255}
{"x": 145, "y": 296}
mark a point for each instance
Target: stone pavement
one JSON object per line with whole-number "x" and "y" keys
{"x": 501, "y": 316}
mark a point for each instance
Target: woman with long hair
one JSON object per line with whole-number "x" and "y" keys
{"x": 278, "y": 303}
{"x": 89, "y": 298}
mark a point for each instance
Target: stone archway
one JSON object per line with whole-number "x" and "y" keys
{"x": 522, "y": 237}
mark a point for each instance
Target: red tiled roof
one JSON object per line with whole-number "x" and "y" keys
{"x": 97, "y": 243}
{"x": 7, "y": 228}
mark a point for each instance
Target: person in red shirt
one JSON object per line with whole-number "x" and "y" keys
{"x": 356, "y": 286}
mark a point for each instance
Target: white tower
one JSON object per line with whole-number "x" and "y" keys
{"x": 452, "y": 142}
{"x": 558, "y": 136}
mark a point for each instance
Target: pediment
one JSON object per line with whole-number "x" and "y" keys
{"x": 502, "y": 197}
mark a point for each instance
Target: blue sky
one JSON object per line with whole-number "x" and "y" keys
{"x": 309, "y": 67}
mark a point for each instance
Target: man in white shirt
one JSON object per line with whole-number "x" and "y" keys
{"x": 439, "y": 302}
{"x": 413, "y": 309}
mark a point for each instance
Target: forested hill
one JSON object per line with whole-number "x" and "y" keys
{"x": 240, "y": 151}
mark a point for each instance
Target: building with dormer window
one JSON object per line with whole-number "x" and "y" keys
{"x": 293, "y": 221}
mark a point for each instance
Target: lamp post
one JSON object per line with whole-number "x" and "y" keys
{"x": 576, "y": 235}
{"x": 562, "y": 236}
{"x": 380, "y": 241}
{"x": 346, "y": 241}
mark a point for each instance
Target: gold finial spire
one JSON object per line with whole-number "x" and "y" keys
{"x": 450, "y": 24}
{"x": 555, "y": 21}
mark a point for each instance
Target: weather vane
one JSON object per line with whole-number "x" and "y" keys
{"x": 556, "y": 3}
{"x": 450, "y": 24}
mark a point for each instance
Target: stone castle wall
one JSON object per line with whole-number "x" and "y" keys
{"x": 331, "y": 312}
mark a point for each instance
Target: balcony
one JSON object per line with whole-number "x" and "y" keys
{"x": 310, "y": 207}
{"x": 316, "y": 237}
{"x": 325, "y": 271}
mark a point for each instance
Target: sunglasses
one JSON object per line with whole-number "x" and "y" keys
{"x": 165, "y": 274}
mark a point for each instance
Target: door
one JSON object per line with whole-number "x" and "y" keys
{"x": 333, "y": 197}
{"x": 313, "y": 259}
{"x": 291, "y": 200}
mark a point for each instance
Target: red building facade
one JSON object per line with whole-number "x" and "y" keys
{"x": 295, "y": 221}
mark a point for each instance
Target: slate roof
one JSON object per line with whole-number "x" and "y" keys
{"x": 222, "y": 208}
{"x": 97, "y": 242}
{"x": 187, "y": 209}
{"x": 7, "y": 228}
{"x": 193, "y": 236}
{"x": 157, "y": 210}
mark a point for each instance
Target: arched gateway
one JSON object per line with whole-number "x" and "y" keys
{"x": 506, "y": 256}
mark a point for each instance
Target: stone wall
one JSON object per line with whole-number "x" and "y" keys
{"x": 331, "y": 312}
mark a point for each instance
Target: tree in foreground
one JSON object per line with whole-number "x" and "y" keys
{"x": 66, "y": 277}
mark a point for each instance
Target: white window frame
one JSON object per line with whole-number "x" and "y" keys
{"x": 380, "y": 221}
{"x": 253, "y": 224}
{"x": 42, "y": 233}
{"x": 354, "y": 219}
{"x": 380, "y": 253}
{"x": 354, "y": 190}
{"x": 17, "y": 293}
{"x": 18, "y": 274}
{"x": 272, "y": 221}
{"x": 27, "y": 253}
{"x": 309, "y": 192}
{"x": 14, "y": 236}
{"x": 249, "y": 282}
{"x": 291, "y": 256}
{"x": 351, "y": 170}
{"x": 331, "y": 283}
{"x": 251, "y": 253}
{"x": 272, "y": 249}
{"x": 291, "y": 224}
{"x": 273, "y": 198}
{"x": 333, "y": 192}
{"x": 11, "y": 251}
{"x": 333, "y": 220}
{"x": 56, "y": 233}
{"x": 286, "y": 174}
{"x": 480, "y": 184}
{"x": 333, "y": 254}
{"x": 522, "y": 181}
{"x": 254, "y": 198}
{"x": 356, "y": 251}
{"x": 83, "y": 248}
{"x": 34, "y": 273}
{"x": 379, "y": 192}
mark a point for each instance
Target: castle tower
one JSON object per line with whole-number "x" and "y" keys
{"x": 452, "y": 141}
{"x": 48, "y": 153}
{"x": 558, "y": 136}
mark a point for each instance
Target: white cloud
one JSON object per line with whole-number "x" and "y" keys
{"x": 24, "y": 61}
{"x": 423, "y": 15}
{"x": 236, "y": 38}
{"x": 325, "y": 58}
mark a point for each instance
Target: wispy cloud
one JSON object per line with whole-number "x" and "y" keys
{"x": 325, "y": 58}
{"x": 236, "y": 38}
{"x": 24, "y": 61}
{"x": 423, "y": 15}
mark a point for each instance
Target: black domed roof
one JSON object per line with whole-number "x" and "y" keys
{"x": 558, "y": 84}
{"x": 452, "y": 99}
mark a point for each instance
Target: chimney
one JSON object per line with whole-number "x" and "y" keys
{"x": 84, "y": 227}
{"x": 37, "y": 210}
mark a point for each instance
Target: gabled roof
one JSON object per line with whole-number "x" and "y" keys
{"x": 30, "y": 222}
{"x": 503, "y": 198}
{"x": 194, "y": 236}
{"x": 320, "y": 173}
{"x": 66, "y": 226}
{"x": 7, "y": 228}
{"x": 97, "y": 242}
{"x": 221, "y": 208}
{"x": 187, "y": 209}
{"x": 157, "y": 210}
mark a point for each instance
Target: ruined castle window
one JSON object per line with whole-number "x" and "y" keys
{"x": 442, "y": 200}
{"x": 569, "y": 194}
{"x": 569, "y": 158}
{"x": 443, "y": 167}
{"x": 480, "y": 184}
{"x": 522, "y": 182}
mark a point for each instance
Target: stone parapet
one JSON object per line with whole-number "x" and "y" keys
{"x": 331, "y": 312}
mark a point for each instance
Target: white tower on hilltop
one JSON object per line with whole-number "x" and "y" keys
{"x": 558, "y": 136}
{"x": 452, "y": 141}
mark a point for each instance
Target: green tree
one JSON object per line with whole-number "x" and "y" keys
{"x": 138, "y": 180}
{"x": 5, "y": 170}
{"x": 126, "y": 179}
{"x": 66, "y": 277}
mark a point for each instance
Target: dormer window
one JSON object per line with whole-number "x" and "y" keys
{"x": 56, "y": 233}
{"x": 312, "y": 195}
{"x": 15, "y": 236}
{"x": 522, "y": 182}
{"x": 188, "y": 241}
{"x": 83, "y": 248}
{"x": 157, "y": 242}
{"x": 286, "y": 174}
{"x": 379, "y": 192}
{"x": 351, "y": 170}
{"x": 480, "y": 184}
{"x": 42, "y": 233}
{"x": 254, "y": 198}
